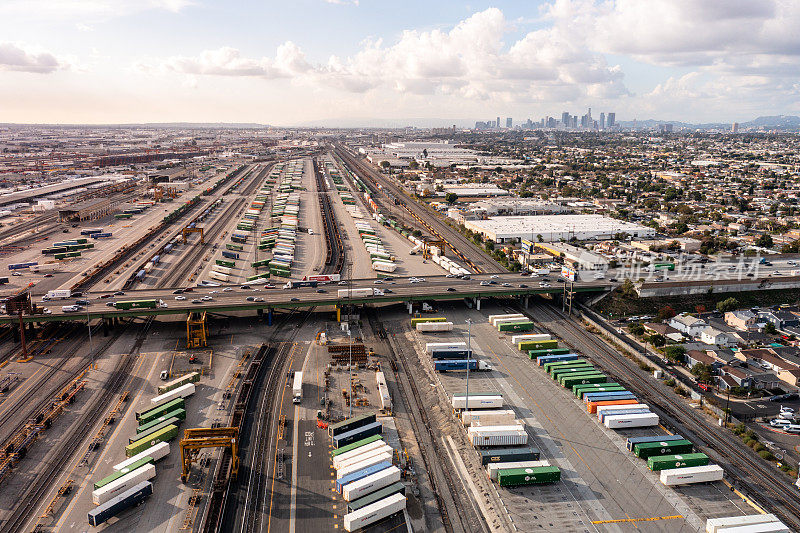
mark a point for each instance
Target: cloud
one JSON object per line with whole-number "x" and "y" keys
{"x": 342, "y": 2}
{"x": 471, "y": 60}
{"x": 81, "y": 11}
{"x": 16, "y": 57}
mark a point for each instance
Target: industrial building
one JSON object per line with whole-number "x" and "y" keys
{"x": 573, "y": 256}
{"x": 88, "y": 210}
{"x": 550, "y": 228}
{"x": 515, "y": 207}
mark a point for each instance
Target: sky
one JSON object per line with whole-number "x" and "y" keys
{"x": 351, "y": 62}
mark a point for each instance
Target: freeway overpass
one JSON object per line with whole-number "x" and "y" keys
{"x": 397, "y": 290}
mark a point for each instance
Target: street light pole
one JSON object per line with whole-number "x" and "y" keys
{"x": 469, "y": 350}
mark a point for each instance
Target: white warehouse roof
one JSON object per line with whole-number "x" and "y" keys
{"x": 555, "y": 228}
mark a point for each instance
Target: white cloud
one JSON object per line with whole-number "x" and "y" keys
{"x": 471, "y": 60}
{"x": 17, "y": 57}
{"x": 82, "y": 10}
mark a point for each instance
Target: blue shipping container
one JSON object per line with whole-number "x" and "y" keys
{"x": 443, "y": 365}
{"x": 230, "y": 255}
{"x": 451, "y": 354}
{"x": 602, "y": 396}
{"x": 361, "y": 474}
{"x": 541, "y": 360}
{"x": 136, "y": 495}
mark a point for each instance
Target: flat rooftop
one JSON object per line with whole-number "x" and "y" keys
{"x": 26, "y": 195}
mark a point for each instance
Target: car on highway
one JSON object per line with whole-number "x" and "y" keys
{"x": 544, "y": 284}
{"x": 177, "y": 291}
{"x": 388, "y": 291}
{"x": 342, "y": 283}
{"x": 245, "y": 287}
{"x": 250, "y": 299}
{"x": 258, "y": 299}
{"x": 295, "y": 299}
{"x": 227, "y": 289}
{"x": 269, "y": 286}
{"x": 119, "y": 293}
{"x": 451, "y": 289}
{"x": 523, "y": 286}
{"x": 104, "y": 296}
{"x": 180, "y": 297}
{"x": 48, "y": 275}
{"x": 484, "y": 283}
{"x": 321, "y": 291}
{"x": 465, "y": 276}
{"x": 506, "y": 284}
{"x": 16, "y": 274}
{"x": 46, "y": 311}
{"x": 377, "y": 282}
{"x": 612, "y": 280}
{"x": 206, "y": 298}
{"x": 82, "y": 302}
{"x": 110, "y": 304}
{"x": 196, "y": 302}
{"x": 451, "y": 276}
{"x": 494, "y": 276}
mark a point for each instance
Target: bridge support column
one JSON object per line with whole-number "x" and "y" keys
{"x": 105, "y": 327}
{"x": 15, "y": 333}
{"x": 526, "y": 301}
{"x": 31, "y": 330}
{"x": 269, "y": 316}
{"x": 477, "y": 304}
{"x": 410, "y": 308}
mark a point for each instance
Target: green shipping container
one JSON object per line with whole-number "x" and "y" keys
{"x": 538, "y": 345}
{"x": 357, "y": 444}
{"x": 558, "y": 373}
{"x": 151, "y": 414}
{"x": 590, "y": 387}
{"x": 221, "y": 262}
{"x": 518, "y": 326}
{"x": 172, "y": 421}
{"x": 191, "y": 377}
{"x": 644, "y": 450}
{"x": 555, "y": 351}
{"x": 415, "y": 321}
{"x": 511, "y": 477}
{"x": 557, "y": 364}
{"x": 237, "y": 247}
{"x": 667, "y": 462}
{"x": 164, "y": 435}
{"x": 607, "y": 388}
{"x": 177, "y": 414}
{"x": 116, "y": 475}
{"x": 570, "y": 381}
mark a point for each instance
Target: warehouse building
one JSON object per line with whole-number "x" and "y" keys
{"x": 88, "y": 210}
{"x": 554, "y": 228}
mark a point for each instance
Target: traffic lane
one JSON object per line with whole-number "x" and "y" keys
{"x": 760, "y": 407}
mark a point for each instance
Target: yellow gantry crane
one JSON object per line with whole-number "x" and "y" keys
{"x": 196, "y": 330}
{"x": 195, "y": 439}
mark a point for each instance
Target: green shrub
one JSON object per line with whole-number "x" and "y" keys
{"x": 766, "y": 454}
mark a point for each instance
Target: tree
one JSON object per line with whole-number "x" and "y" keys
{"x": 385, "y": 164}
{"x": 539, "y": 237}
{"x": 702, "y": 372}
{"x": 416, "y": 233}
{"x": 657, "y": 340}
{"x": 765, "y": 241}
{"x": 770, "y": 328}
{"x": 730, "y": 304}
{"x": 636, "y": 328}
{"x": 675, "y": 353}
{"x": 451, "y": 197}
{"x": 666, "y": 312}
{"x": 628, "y": 289}
{"x": 413, "y": 165}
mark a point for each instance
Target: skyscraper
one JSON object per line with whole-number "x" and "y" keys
{"x": 565, "y": 119}
{"x": 602, "y": 121}
{"x": 497, "y": 124}
{"x": 735, "y": 127}
{"x": 508, "y": 122}
{"x": 611, "y": 119}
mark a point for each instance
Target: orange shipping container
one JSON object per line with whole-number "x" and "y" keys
{"x": 592, "y": 406}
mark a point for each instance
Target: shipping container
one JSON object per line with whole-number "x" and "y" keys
{"x": 452, "y": 354}
{"x": 549, "y": 366}
{"x": 528, "y": 476}
{"x": 640, "y": 420}
{"x": 221, "y": 269}
{"x": 372, "y": 513}
{"x": 572, "y": 380}
{"x": 537, "y": 345}
{"x": 130, "y": 498}
{"x": 357, "y": 434}
{"x": 157, "y": 452}
{"x": 692, "y": 474}
{"x": 497, "y": 417}
{"x": 122, "y": 484}
{"x": 144, "y": 461}
{"x": 633, "y": 441}
{"x": 394, "y": 488}
{"x": 219, "y": 276}
{"x": 192, "y": 377}
{"x": 172, "y": 421}
{"x": 769, "y": 527}
{"x": 351, "y": 423}
{"x": 379, "y": 480}
{"x": 717, "y": 525}
{"x": 601, "y": 417}
{"x": 420, "y": 320}
{"x": 643, "y": 450}
{"x": 665, "y": 462}
{"x": 608, "y": 395}
{"x": 354, "y": 293}
{"x": 591, "y": 407}
{"x": 477, "y": 401}
{"x": 151, "y": 414}
{"x": 580, "y": 390}
{"x": 429, "y": 327}
{"x": 366, "y": 470}
{"x": 516, "y": 339}
{"x": 552, "y": 356}
{"x": 493, "y": 318}
{"x": 493, "y": 468}
{"x": 483, "y": 436}
{"x": 581, "y": 368}
{"x": 516, "y": 326}
{"x": 345, "y": 464}
{"x": 184, "y": 391}
{"x": 506, "y": 455}
{"x": 164, "y": 435}
{"x": 356, "y": 445}
{"x": 353, "y": 454}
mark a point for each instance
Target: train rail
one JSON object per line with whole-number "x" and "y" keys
{"x": 764, "y": 483}
{"x": 334, "y": 254}
{"x": 458, "y": 243}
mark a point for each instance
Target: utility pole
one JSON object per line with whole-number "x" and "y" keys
{"x": 469, "y": 349}
{"x": 89, "y": 327}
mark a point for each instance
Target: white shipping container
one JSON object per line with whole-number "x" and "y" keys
{"x": 769, "y": 527}
{"x": 221, "y": 269}
{"x": 692, "y": 474}
{"x": 219, "y": 276}
{"x": 59, "y": 294}
{"x": 181, "y": 392}
{"x": 378, "y": 480}
{"x": 431, "y": 346}
{"x": 120, "y": 485}
{"x": 477, "y": 402}
{"x": 715, "y": 525}
{"x": 355, "y": 293}
{"x": 500, "y": 321}
{"x": 383, "y": 391}
{"x": 535, "y": 337}
{"x": 642, "y": 420}
{"x": 488, "y": 417}
{"x": 338, "y": 460}
{"x": 494, "y": 318}
{"x": 369, "y": 514}
{"x": 384, "y": 449}
{"x": 383, "y": 266}
{"x": 434, "y": 326}
{"x": 367, "y": 462}
{"x": 505, "y": 438}
{"x": 611, "y": 408}
{"x": 493, "y": 468}
{"x": 159, "y": 451}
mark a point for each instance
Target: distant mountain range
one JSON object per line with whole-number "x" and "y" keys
{"x": 783, "y": 122}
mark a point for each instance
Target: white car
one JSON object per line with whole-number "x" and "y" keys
{"x": 779, "y": 422}
{"x": 785, "y": 409}
{"x": 213, "y": 292}
{"x": 180, "y": 297}
{"x": 227, "y": 289}
{"x": 206, "y": 298}
{"x": 494, "y": 276}
{"x": 46, "y": 311}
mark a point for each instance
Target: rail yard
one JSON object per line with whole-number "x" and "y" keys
{"x": 296, "y": 344}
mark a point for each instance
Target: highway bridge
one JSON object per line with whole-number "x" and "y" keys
{"x": 230, "y": 298}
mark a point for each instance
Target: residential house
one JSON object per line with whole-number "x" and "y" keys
{"x": 663, "y": 329}
{"x": 780, "y": 318}
{"x": 744, "y": 320}
{"x": 696, "y": 356}
{"x": 688, "y": 325}
{"x": 711, "y": 335}
{"x": 790, "y": 376}
{"x": 731, "y": 376}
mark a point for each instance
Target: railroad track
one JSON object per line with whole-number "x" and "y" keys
{"x": 764, "y": 483}
{"x": 461, "y": 246}
{"x": 428, "y": 437}
{"x": 74, "y": 437}
{"x": 334, "y": 254}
